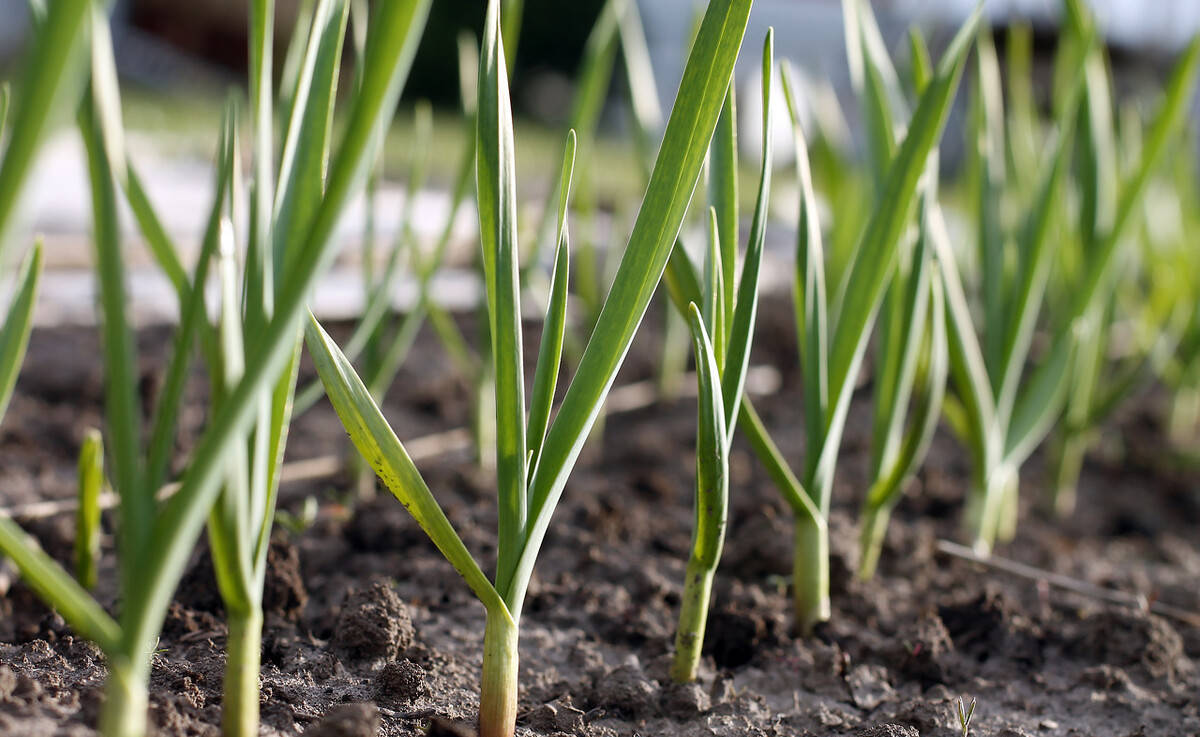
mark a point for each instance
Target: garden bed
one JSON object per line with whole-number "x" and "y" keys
{"x": 367, "y": 624}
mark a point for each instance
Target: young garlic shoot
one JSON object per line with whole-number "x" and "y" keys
{"x": 90, "y": 473}
{"x": 911, "y": 367}
{"x": 834, "y": 332}
{"x": 711, "y": 505}
{"x": 911, "y": 361}
{"x": 964, "y": 714}
{"x": 18, "y": 322}
{"x": 155, "y": 539}
{"x": 872, "y": 263}
{"x": 1001, "y": 414}
{"x": 535, "y": 456}
{"x": 1157, "y": 312}
{"x": 721, "y": 365}
{"x": 997, "y": 416}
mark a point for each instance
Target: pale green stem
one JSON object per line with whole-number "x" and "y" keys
{"x": 498, "y": 691}
{"x": 126, "y": 698}
{"x": 1069, "y": 464}
{"x": 810, "y": 573}
{"x": 986, "y": 509}
{"x": 693, "y": 617}
{"x": 1184, "y": 416}
{"x": 874, "y": 530}
{"x": 239, "y": 714}
{"x": 1006, "y": 525}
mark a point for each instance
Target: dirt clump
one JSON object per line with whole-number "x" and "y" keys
{"x": 374, "y": 623}
{"x": 400, "y": 684}
{"x": 1145, "y": 643}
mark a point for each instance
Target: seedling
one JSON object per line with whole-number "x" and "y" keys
{"x": 834, "y": 330}
{"x": 155, "y": 539}
{"x": 830, "y": 369}
{"x": 532, "y": 468}
{"x": 1000, "y": 411}
{"x": 87, "y": 517}
{"x": 1150, "y": 301}
{"x": 911, "y": 361}
{"x": 721, "y": 364}
{"x": 964, "y": 715}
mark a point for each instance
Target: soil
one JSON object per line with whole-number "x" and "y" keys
{"x": 369, "y": 631}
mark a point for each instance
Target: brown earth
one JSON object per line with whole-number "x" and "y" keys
{"x": 370, "y": 632}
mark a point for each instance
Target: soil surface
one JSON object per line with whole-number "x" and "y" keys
{"x": 369, "y": 631}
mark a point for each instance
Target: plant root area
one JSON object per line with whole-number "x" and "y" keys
{"x": 370, "y": 632}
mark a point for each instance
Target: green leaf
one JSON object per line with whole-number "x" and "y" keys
{"x": 903, "y": 336}
{"x": 1098, "y": 171}
{"x": 14, "y": 336}
{"x": 261, "y": 261}
{"x": 639, "y": 84}
{"x": 121, "y": 403}
{"x": 714, "y": 284}
{"x": 229, "y": 527}
{"x": 775, "y": 464}
{"x": 545, "y": 375}
{"x": 1179, "y": 92}
{"x": 809, "y": 296}
{"x": 302, "y": 167}
{"x": 391, "y": 44}
{"x": 51, "y": 82}
{"x": 920, "y": 62}
{"x": 676, "y": 171}
{"x": 989, "y": 157}
{"x": 496, "y": 187}
{"x": 87, "y": 516}
{"x": 712, "y": 450}
{"x": 1031, "y": 282}
{"x": 973, "y": 413}
{"x": 741, "y": 329}
{"x": 1022, "y": 113}
{"x": 5, "y": 98}
{"x": 514, "y": 11}
{"x": 684, "y": 288}
{"x": 297, "y": 43}
{"x": 1039, "y": 405}
{"x": 876, "y": 254}
{"x": 383, "y": 451}
{"x": 723, "y": 198}
{"x": 875, "y": 82}
{"x": 928, "y": 397}
{"x": 104, "y": 92}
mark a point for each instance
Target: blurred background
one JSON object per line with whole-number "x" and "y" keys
{"x": 178, "y": 61}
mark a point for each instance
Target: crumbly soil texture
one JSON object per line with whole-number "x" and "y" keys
{"x": 370, "y": 632}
